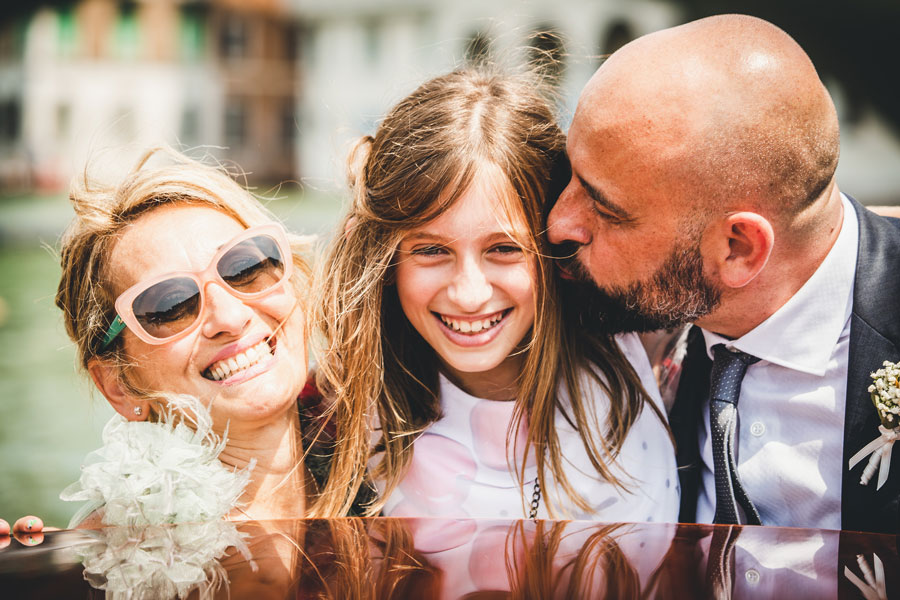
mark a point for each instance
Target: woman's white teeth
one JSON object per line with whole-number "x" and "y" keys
{"x": 229, "y": 366}
{"x": 472, "y": 326}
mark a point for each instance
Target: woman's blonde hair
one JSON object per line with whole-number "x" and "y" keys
{"x": 424, "y": 156}
{"x": 85, "y": 294}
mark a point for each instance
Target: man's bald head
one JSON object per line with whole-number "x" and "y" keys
{"x": 702, "y": 188}
{"x": 729, "y": 109}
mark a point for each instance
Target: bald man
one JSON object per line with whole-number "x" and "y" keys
{"x": 703, "y": 191}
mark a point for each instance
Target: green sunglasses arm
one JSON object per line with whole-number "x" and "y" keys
{"x": 115, "y": 328}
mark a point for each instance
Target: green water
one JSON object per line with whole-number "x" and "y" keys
{"x": 49, "y": 416}
{"x": 48, "y": 421}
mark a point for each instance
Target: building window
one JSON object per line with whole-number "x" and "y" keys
{"x": 616, "y": 35}
{"x": 192, "y": 31}
{"x": 372, "y": 41}
{"x": 291, "y": 42}
{"x": 288, "y": 126}
{"x": 63, "y": 121}
{"x": 235, "y": 123}
{"x": 190, "y": 126}
{"x": 126, "y": 34}
{"x": 233, "y": 38}
{"x": 307, "y": 43}
{"x": 67, "y": 31}
{"x": 12, "y": 38}
{"x": 10, "y": 120}
{"x": 547, "y": 52}
{"x": 478, "y": 49}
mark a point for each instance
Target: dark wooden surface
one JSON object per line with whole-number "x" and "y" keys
{"x": 426, "y": 558}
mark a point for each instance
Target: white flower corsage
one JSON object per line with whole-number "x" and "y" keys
{"x": 161, "y": 561}
{"x": 154, "y": 473}
{"x": 886, "y": 398}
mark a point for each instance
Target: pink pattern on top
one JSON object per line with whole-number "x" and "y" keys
{"x": 489, "y": 421}
{"x": 486, "y": 571}
{"x": 439, "y": 477}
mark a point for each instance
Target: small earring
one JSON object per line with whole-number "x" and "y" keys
{"x": 138, "y": 410}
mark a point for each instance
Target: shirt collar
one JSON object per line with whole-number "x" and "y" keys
{"x": 802, "y": 334}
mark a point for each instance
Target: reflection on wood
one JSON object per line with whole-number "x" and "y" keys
{"x": 429, "y": 558}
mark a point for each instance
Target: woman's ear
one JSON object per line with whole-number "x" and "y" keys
{"x": 744, "y": 242}
{"x": 106, "y": 377}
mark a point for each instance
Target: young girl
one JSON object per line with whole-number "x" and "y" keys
{"x": 483, "y": 397}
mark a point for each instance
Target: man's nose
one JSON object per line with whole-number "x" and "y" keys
{"x": 224, "y": 313}
{"x": 567, "y": 221}
{"x": 470, "y": 288}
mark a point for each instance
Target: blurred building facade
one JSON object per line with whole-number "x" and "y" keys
{"x": 77, "y": 78}
{"x": 358, "y": 58}
{"x": 283, "y": 87}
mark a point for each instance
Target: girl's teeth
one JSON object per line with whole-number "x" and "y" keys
{"x": 472, "y": 326}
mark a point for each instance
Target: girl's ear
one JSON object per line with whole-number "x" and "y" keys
{"x": 106, "y": 378}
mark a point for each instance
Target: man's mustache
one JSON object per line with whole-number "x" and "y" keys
{"x": 565, "y": 256}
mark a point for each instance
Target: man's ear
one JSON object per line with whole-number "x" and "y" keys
{"x": 742, "y": 247}
{"x": 106, "y": 378}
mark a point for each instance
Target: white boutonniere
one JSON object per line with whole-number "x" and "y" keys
{"x": 885, "y": 393}
{"x": 873, "y": 587}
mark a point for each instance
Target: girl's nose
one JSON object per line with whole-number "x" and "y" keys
{"x": 224, "y": 313}
{"x": 470, "y": 288}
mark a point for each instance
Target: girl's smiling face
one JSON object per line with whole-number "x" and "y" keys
{"x": 467, "y": 286}
{"x": 264, "y": 337}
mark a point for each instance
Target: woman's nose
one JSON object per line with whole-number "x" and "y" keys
{"x": 224, "y": 313}
{"x": 470, "y": 288}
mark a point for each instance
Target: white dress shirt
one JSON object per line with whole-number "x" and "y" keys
{"x": 769, "y": 561}
{"x": 790, "y": 430}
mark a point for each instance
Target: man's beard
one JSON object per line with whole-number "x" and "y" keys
{"x": 676, "y": 294}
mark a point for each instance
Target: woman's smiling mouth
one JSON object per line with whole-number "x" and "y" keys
{"x": 238, "y": 363}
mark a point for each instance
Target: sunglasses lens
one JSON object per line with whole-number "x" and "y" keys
{"x": 168, "y": 307}
{"x": 252, "y": 266}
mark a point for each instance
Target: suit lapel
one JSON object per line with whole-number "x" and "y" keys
{"x": 685, "y": 420}
{"x": 874, "y": 338}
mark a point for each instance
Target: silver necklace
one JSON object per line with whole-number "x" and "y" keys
{"x": 535, "y": 500}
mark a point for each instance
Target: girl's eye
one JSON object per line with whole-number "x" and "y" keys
{"x": 507, "y": 249}
{"x": 427, "y": 251}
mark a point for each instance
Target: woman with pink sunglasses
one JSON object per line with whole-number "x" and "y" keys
{"x": 177, "y": 283}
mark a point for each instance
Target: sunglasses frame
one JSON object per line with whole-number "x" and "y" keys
{"x": 124, "y": 303}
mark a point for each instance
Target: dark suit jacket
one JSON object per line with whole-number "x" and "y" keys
{"x": 874, "y": 338}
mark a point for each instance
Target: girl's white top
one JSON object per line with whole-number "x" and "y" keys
{"x": 460, "y": 470}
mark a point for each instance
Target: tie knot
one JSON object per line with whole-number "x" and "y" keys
{"x": 721, "y": 353}
{"x": 728, "y": 371}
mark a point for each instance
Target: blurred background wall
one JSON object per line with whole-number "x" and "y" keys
{"x": 281, "y": 88}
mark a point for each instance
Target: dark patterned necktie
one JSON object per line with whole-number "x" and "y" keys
{"x": 725, "y": 388}
{"x": 720, "y": 563}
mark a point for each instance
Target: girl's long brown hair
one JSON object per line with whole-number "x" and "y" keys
{"x": 376, "y": 368}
